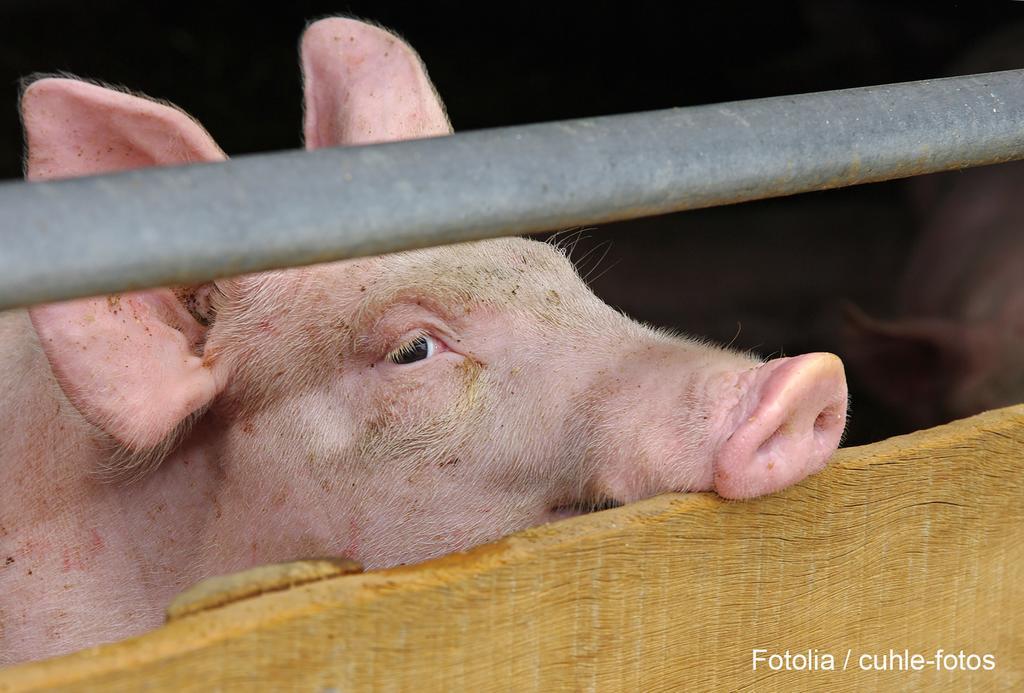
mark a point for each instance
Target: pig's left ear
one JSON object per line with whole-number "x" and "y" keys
{"x": 365, "y": 85}
{"x": 74, "y": 128}
{"x": 912, "y": 359}
{"x": 129, "y": 363}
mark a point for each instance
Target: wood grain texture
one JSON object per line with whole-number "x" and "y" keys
{"x": 216, "y": 592}
{"x": 914, "y": 543}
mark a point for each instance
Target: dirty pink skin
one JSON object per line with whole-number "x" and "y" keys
{"x": 143, "y": 450}
{"x": 956, "y": 347}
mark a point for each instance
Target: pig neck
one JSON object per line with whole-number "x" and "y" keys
{"x": 83, "y": 561}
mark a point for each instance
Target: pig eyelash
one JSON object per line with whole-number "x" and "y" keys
{"x": 419, "y": 348}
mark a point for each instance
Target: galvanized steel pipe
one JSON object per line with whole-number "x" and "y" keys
{"x": 182, "y": 225}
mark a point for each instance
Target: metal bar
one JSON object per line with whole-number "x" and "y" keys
{"x": 182, "y": 225}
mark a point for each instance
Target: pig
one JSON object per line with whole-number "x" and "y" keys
{"x": 955, "y": 344}
{"x": 956, "y": 347}
{"x": 387, "y": 409}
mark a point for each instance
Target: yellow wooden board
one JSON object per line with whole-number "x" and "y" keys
{"x": 905, "y": 547}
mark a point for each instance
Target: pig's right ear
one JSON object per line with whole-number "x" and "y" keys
{"x": 364, "y": 85}
{"x": 74, "y": 128}
{"x": 129, "y": 363}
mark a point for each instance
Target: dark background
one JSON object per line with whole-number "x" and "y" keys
{"x": 767, "y": 276}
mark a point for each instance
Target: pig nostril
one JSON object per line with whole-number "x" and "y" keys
{"x": 822, "y": 421}
{"x": 825, "y": 420}
{"x": 769, "y": 442}
{"x": 823, "y": 424}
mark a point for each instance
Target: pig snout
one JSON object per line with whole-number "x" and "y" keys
{"x": 707, "y": 420}
{"x": 789, "y": 420}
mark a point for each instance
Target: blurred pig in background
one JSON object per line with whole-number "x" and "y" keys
{"x": 954, "y": 345}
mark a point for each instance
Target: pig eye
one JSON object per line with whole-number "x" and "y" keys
{"x": 416, "y": 349}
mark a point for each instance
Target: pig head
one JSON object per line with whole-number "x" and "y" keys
{"x": 386, "y": 409}
{"x": 954, "y": 344}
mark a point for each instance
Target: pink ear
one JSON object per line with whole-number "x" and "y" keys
{"x": 907, "y": 359}
{"x": 364, "y": 85}
{"x": 128, "y": 362}
{"x": 928, "y": 368}
{"x": 74, "y": 128}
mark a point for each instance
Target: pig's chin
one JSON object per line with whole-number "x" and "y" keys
{"x": 564, "y": 511}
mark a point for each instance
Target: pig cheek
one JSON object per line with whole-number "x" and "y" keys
{"x": 425, "y": 431}
{"x": 416, "y": 413}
